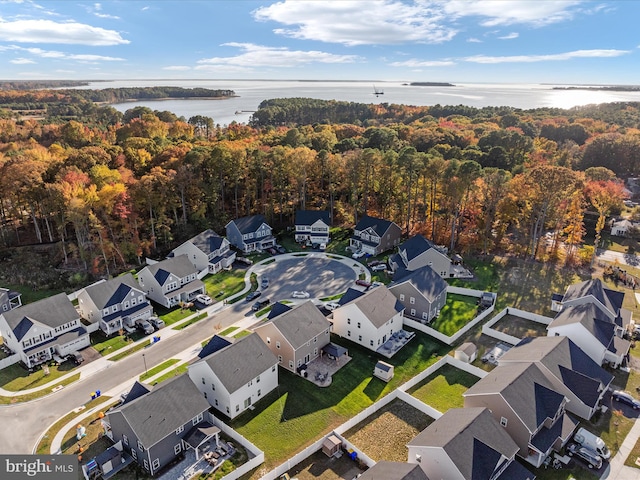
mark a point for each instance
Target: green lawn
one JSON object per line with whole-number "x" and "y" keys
{"x": 228, "y": 331}
{"x": 131, "y": 350}
{"x": 16, "y": 377}
{"x": 195, "y": 319}
{"x": 456, "y": 313}
{"x": 298, "y": 411}
{"x": 29, "y": 295}
{"x": 172, "y": 373}
{"x": 339, "y": 241}
{"x": 443, "y": 390}
{"x": 174, "y": 315}
{"x": 38, "y": 394}
{"x": 230, "y": 282}
{"x": 242, "y": 333}
{"x": 106, "y": 345}
{"x": 158, "y": 368}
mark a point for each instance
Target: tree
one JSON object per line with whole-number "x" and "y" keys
{"x": 603, "y": 195}
{"x": 574, "y": 229}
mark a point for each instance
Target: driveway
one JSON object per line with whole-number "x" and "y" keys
{"x": 623, "y": 258}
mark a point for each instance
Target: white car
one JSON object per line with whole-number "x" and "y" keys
{"x": 332, "y": 305}
{"x": 204, "y": 299}
{"x": 300, "y": 294}
{"x": 358, "y": 254}
{"x": 379, "y": 268}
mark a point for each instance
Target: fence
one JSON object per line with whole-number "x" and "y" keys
{"x": 487, "y": 328}
{"x": 10, "y": 360}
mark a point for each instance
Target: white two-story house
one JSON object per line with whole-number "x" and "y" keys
{"x": 235, "y": 377}
{"x": 208, "y": 252}
{"x": 114, "y": 304}
{"x": 312, "y": 226}
{"x": 9, "y": 299}
{"x": 171, "y": 281}
{"x": 250, "y": 234}
{"x": 42, "y": 330}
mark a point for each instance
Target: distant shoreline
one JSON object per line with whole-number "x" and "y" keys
{"x": 130, "y": 100}
{"x": 430, "y": 84}
{"x": 609, "y": 88}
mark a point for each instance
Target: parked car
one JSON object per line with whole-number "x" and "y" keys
{"x": 379, "y": 268}
{"x": 76, "y": 357}
{"x": 376, "y": 284}
{"x": 204, "y": 299}
{"x": 280, "y": 249}
{"x": 253, "y": 295}
{"x": 260, "y": 304}
{"x": 585, "y": 438}
{"x": 323, "y": 247}
{"x": 363, "y": 283}
{"x": 156, "y": 322}
{"x": 264, "y": 282}
{"x": 244, "y": 260}
{"x": 591, "y": 458}
{"x": 625, "y": 397}
{"x": 272, "y": 251}
{"x": 332, "y": 305}
{"x": 373, "y": 263}
{"x": 145, "y": 326}
{"x": 300, "y": 294}
{"x": 358, "y": 254}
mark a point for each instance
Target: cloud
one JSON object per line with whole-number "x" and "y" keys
{"x": 546, "y": 58}
{"x": 474, "y": 40}
{"x": 38, "y": 52}
{"x": 48, "y": 31}
{"x": 21, "y": 61}
{"x": 510, "y": 36}
{"x": 263, "y": 56}
{"x": 357, "y": 22}
{"x": 511, "y": 12}
{"x": 413, "y": 63}
{"x": 178, "y": 68}
{"x": 96, "y": 9}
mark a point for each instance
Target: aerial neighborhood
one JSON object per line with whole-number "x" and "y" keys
{"x": 534, "y": 405}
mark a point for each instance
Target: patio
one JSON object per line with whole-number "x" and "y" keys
{"x": 397, "y": 340}
{"x": 212, "y": 454}
{"x": 320, "y": 370}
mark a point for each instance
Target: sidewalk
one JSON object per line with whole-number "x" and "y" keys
{"x": 617, "y": 469}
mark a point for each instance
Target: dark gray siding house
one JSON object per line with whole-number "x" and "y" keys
{"x": 153, "y": 425}
{"x": 375, "y": 235}
{"x": 422, "y": 292}
{"x": 250, "y": 234}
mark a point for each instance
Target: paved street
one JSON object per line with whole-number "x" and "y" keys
{"x": 623, "y": 258}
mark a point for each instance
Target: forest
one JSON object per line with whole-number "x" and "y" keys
{"x": 107, "y": 189}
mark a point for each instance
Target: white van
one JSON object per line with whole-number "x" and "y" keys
{"x": 587, "y": 439}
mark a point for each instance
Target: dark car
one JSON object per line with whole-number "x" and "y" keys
{"x": 281, "y": 249}
{"x": 260, "y": 304}
{"x": 591, "y": 458}
{"x": 76, "y": 357}
{"x": 363, "y": 283}
{"x": 272, "y": 251}
{"x": 625, "y": 397}
{"x": 253, "y": 295}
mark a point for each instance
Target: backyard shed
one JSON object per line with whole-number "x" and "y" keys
{"x": 467, "y": 352}
{"x": 383, "y": 371}
{"x": 331, "y": 445}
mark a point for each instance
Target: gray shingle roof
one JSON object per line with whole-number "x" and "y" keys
{"x": 379, "y": 225}
{"x": 51, "y": 311}
{"x": 309, "y": 217}
{"x": 207, "y": 241}
{"x": 379, "y": 305}
{"x": 157, "y": 414}
{"x": 591, "y": 318}
{"x": 611, "y": 299}
{"x": 384, "y": 470}
{"x": 180, "y": 266}
{"x": 249, "y": 224}
{"x": 415, "y": 246}
{"x": 458, "y": 432}
{"x": 301, "y": 323}
{"x": 241, "y": 361}
{"x": 111, "y": 292}
{"x": 425, "y": 280}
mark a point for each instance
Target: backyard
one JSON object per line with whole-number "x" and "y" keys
{"x": 223, "y": 284}
{"x": 319, "y": 466}
{"x": 456, "y": 313}
{"x": 520, "y": 327}
{"x": 444, "y": 388}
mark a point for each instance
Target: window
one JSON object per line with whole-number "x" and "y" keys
{"x": 413, "y": 312}
{"x": 205, "y": 395}
{"x": 197, "y": 419}
{"x": 348, "y": 321}
{"x": 273, "y": 369}
{"x": 315, "y": 351}
{"x": 155, "y": 464}
{"x": 315, "y": 339}
{"x": 359, "y": 338}
{"x": 227, "y": 409}
{"x": 279, "y": 361}
{"x": 268, "y": 340}
{"x": 425, "y": 316}
{"x": 371, "y": 342}
{"x": 277, "y": 344}
{"x": 125, "y": 440}
{"x": 140, "y": 446}
{"x": 503, "y": 421}
{"x": 358, "y": 324}
{"x": 259, "y": 392}
{"x": 258, "y": 379}
{"x": 177, "y": 448}
{"x": 179, "y": 430}
{"x": 250, "y": 383}
{"x": 203, "y": 380}
{"x": 213, "y": 387}
{"x": 126, "y": 305}
{"x": 290, "y": 363}
{"x": 412, "y": 300}
{"x": 145, "y": 464}
{"x": 299, "y": 362}
{"x": 402, "y": 297}
{"x": 134, "y": 454}
{"x": 237, "y": 408}
{"x": 348, "y": 333}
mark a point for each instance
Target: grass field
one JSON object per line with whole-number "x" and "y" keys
{"x": 38, "y": 394}
{"x": 131, "y": 350}
{"x": 16, "y": 377}
{"x": 105, "y": 345}
{"x": 195, "y": 319}
{"x": 456, "y": 313}
{"x": 230, "y": 282}
{"x": 443, "y": 390}
{"x": 158, "y": 368}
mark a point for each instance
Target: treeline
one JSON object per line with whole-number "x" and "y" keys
{"x": 38, "y": 84}
{"x": 121, "y": 187}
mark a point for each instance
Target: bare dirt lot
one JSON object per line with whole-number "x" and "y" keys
{"x": 319, "y": 466}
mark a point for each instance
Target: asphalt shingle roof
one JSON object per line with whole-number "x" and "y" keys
{"x": 591, "y": 318}
{"x": 415, "y": 246}
{"x": 301, "y": 323}
{"x": 157, "y": 414}
{"x": 207, "y": 241}
{"x": 216, "y": 343}
{"x": 180, "y": 266}
{"x": 51, "y": 311}
{"x": 378, "y": 225}
{"x": 278, "y": 309}
{"x": 384, "y": 470}
{"x": 425, "y": 280}
{"x": 611, "y": 299}
{"x": 379, "y": 305}
{"x": 309, "y": 217}
{"x": 249, "y": 224}
{"x": 241, "y": 361}
{"x": 111, "y": 292}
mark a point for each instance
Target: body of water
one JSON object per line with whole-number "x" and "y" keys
{"x": 252, "y": 92}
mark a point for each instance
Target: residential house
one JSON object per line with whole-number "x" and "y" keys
{"x": 467, "y": 444}
{"x": 114, "y": 304}
{"x": 623, "y": 227}
{"x": 312, "y": 226}
{"x": 422, "y": 292}
{"x": 419, "y": 252}
{"x": 43, "y": 330}
{"x": 296, "y": 336}
{"x": 250, "y": 234}
{"x": 154, "y": 425}
{"x": 589, "y": 327}
{"x": 607, "y": 300}
{"x": 171, "y": 281}
{"x": 368, "y": 318}
{"x": 571, "y": 371}
{"x": 9, "y": 299}
{"x": 393, "y": 471}
{"x": 233, "y": 378}
{"x": 524, "y": 401}
{"x": 374, "y": 235}
{"x": 207, "y": 251}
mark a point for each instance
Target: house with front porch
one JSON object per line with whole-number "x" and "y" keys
{"x": 207, "y": 251}
{"x": 43, "y": 330}
{"x": 418, "y": 252}
{"x": 9, "y": 299}
{"x": 368, "y": 318}
{"x": 374, "y": 236}
{"x": 422, "y": 292}
{"x": 296, "y": 336}
{"x": 171, "y": 281}
{"x": 234, "y": 378}
{"x": 114, "y": 303}
{"x": 250, "y": 234}
{"x": 527, "y": 405}
{"x": 155, "y": 425}
{"x": 467, "y": 444}
{"x": 571, "y": 371}
{"x": 312, "y": 226}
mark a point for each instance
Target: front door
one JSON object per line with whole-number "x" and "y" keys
{"x": 247, "y": 402}
{"x": 307, "y": 358}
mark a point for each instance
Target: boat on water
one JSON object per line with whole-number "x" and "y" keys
{"x": 377, "y": 92}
